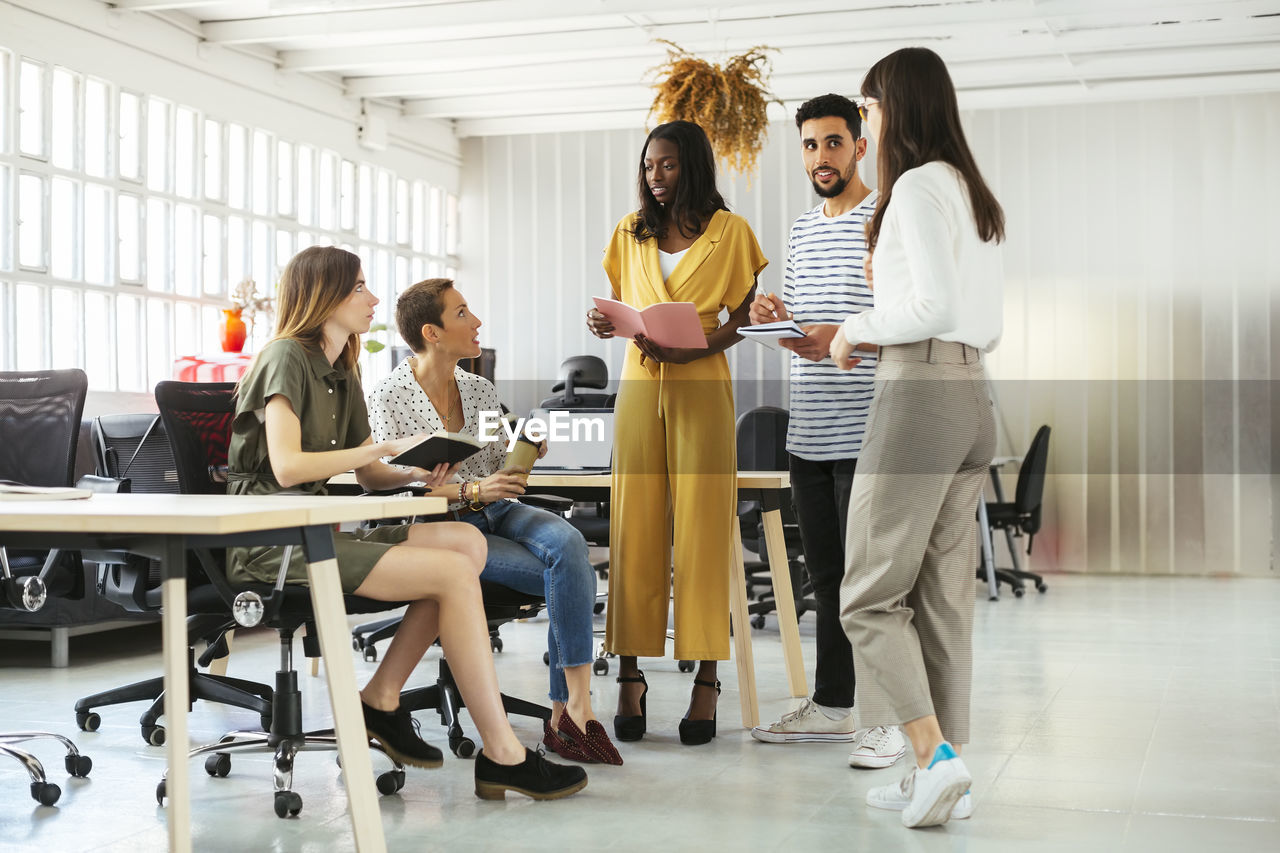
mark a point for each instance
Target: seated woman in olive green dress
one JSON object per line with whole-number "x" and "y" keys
{"x": 301, "y": 419}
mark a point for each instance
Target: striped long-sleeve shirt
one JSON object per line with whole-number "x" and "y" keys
{"x": 824, "y": 282}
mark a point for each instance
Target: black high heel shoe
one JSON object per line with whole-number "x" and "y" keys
{"x": 698, "y": 732}
{"x": 632, "y": 728}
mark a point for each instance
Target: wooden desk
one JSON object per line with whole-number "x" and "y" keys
{"x": 165, "y": 526}
{"x": 770, "y": 488}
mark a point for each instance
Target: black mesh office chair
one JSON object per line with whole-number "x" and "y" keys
{"x": 133, "y": 450}
{"x": 762, "y": 446}
{"x": 576, "y": 373}
{"x": 197, "y": 418}
{"x": 1022, "y": 515}
{"x": 39, "y": 429}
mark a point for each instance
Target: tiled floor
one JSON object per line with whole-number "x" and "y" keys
{"x": 1129, "y": 714}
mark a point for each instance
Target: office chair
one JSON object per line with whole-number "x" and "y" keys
{"x": 132, "y": 450}
{"x": 762, "y": 446}
{"x": 40, "y": 417}
{"x": 1022, "y": 515}
{"x": 585, "y": 371}
{"x": 580, "y": 371}
{"x": 197, "y": 418}
{"x": 40, "y": 413}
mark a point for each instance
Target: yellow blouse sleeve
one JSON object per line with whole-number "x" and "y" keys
{"x": 616, "y": 252}
{"x": 743, "y": 260}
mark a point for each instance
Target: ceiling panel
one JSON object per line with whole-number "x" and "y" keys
{"x": 503, "y": 66}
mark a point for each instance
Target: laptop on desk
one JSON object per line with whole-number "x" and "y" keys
{"x": 580, "y": 441}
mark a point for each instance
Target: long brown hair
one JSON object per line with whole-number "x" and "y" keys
{"x": 697, "y": 198}
{"x": 315, "y": 282}
{"x": 920, "y": 123}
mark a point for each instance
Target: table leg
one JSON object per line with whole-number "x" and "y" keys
{"x": 738, "y": 617}
{"x": 784, "y": 602}
{"x": 348, "y": 720}
{"x": 173, "y": 609}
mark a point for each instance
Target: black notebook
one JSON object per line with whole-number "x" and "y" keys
{"x": 450, "y": 447}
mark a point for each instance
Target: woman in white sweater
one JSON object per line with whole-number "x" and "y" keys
{"x": 907, "y": 597}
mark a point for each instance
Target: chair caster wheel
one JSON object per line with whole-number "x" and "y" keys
{"x": 78, "y": 765}
{"x": 464, "y": 748}
{"x": 600, "y": 666}
{"x": 288, "y": 804}
{"x": 371, "y": 653}
{"x": 390, "y": 782}
{"x": 154, "y": 735}
{"x": 45, "y": 793}
{"x": 686, "y": 666}
{"x": 356, "y": 644}
{"x": 496, "y": 644}
{"x": 1042, "y": 587}
{"x": 598, "y": 608}
{"x": 218, "y": 764}
{"x": 757, "y": 621}
{"x": 160, "y": 793}
{"x": 1019, "y": 592}
{"x": 546, "y": 658}
{"x": 88, "y": 722}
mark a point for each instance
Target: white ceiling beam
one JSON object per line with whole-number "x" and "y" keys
{"x": 750, "y": 22}
{"x": 977, "y": 21}
{"x": 473, "y": 19}
{"x": 155, "y": 5}
{"x": 992, "y": 98}
{"x": 606, "y": 69}
{"x": 1029, "y": 71}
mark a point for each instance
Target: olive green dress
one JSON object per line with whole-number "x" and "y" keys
{"x": 329, "y": 402}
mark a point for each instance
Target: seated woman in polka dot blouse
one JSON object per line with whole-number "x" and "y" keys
{"x": 530, "y": 549}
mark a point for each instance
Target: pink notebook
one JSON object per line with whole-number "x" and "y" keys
{"x": 667, "y": 324}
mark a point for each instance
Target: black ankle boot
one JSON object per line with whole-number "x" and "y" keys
{"x": 697, "y": 732}
{"x": 534, "y": 777}
{"x": 632, "y": 728}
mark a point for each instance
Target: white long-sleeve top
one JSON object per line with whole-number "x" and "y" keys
{"x": 934, "y": 277}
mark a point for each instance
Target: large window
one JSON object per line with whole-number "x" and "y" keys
{"x": 126, "y": 221}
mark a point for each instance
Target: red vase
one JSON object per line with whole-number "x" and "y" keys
{"x": 233, "y": 330}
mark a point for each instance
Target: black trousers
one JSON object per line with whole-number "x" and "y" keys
{"x": 820, "y": 495}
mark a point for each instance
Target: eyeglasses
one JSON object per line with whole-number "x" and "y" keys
{"x": 866, "y": 105}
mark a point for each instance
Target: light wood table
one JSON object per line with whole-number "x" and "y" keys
{"x": 166, "y": 526}
{"x": 770, "y": 488}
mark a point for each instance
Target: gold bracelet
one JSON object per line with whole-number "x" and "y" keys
{"x": 475, "y": 497}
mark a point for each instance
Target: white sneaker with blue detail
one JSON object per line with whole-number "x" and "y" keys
{"x": 929, "y": 796}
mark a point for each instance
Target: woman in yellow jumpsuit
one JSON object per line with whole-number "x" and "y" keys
{"x": 674, "y": 493}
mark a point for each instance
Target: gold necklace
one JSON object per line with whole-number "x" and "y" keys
{"x": 446, "y": 414}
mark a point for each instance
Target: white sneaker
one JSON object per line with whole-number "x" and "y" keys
{"x": 936, "y": 789}
{"x": 806, "y": 724}
{"x": 877, "y": 747}
{"x": 897, "y": 797}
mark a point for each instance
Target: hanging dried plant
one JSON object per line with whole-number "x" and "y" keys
{"x": 728, "y": 101}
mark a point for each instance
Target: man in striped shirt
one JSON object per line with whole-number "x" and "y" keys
{"x": 825, "y": 281}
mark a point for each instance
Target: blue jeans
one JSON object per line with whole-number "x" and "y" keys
{"x": 539, "y": 553}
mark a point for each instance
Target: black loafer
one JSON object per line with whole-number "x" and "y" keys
{"x": 534, "y": 777}
{"x": 397, "y": 731}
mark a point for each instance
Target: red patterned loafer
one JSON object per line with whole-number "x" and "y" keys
{"x": 561, "y": 745}
{"x": 594, "y": 741}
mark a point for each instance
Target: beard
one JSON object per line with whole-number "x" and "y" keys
{"x": 836, "y": 188}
